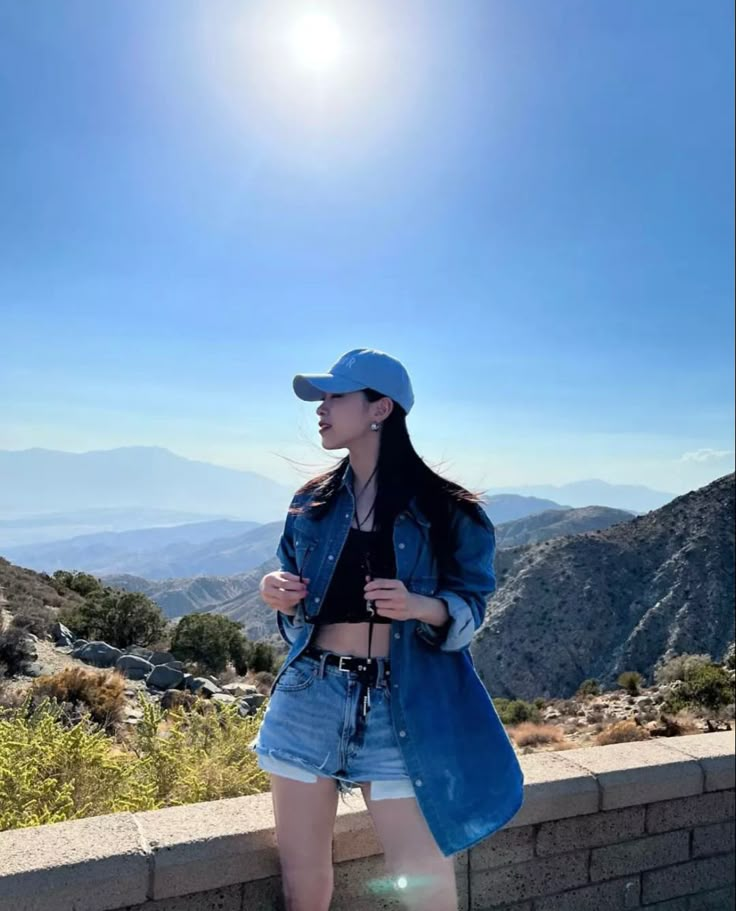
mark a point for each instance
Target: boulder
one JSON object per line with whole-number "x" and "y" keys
{"x": 98, "y": 654}
{"x": 61, "y": 633}
{"x": 164, "y": 678}
{"x": 140, "y": 652}
{"x": 162, "y": 658}
{"x": 201, "y": 685}
{"x": 223, "y": 698}
{"x": 134, "y": 667}
{"x": 239, "y": 689}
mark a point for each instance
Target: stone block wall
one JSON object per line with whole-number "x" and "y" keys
{"x": 640, "y": 825}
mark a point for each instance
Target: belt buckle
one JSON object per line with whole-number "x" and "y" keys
{"x": 340, "y": 661}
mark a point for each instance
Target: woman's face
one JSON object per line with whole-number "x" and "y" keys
{"x": 346, "y": 418}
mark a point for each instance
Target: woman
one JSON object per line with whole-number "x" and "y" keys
{"x": 385, "y": 571}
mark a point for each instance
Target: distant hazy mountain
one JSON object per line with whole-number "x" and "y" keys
{"x": 505, "y": 507}
{"x": 41, "y": 480}
{"x": 593, "y": 492}
{"x": 59, "y": 526}
{"x": 222, "y": 548}
{"x": 602, "y": 602}
{"x": 556, "y": 523}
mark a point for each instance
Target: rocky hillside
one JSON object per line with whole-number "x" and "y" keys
{"x": 556, "y": 523}
{"x": 603, "y": 602}
{"x": 236, "y": 597}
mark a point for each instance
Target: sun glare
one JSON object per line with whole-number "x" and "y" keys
{"x": 316, "y": 41}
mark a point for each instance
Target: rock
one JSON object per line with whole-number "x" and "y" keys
{"x": 164, "y": 678}
{"x": 239, "y": 689}
{"x": 162, "y": 658}
{"x": 134, "y": 667}
{"x": 254, "y": 700}
{"x": 223, "y": 698}
{"x": 201, "y": 685}
{"x": 59, "y": 631}
{"x": 37, "y": 670}
{"x": 98, "y": 654}
{"x": 140, "y": 652}
{"x": 79, "y": 643}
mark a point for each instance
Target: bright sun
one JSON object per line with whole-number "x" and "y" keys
{"x": 316, "y": 41}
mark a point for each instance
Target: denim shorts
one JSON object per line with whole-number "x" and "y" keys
{"x": 314, "y": 727}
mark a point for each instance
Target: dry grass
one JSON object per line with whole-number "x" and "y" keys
{"x": 101, "y": 692}
{"x": 529, "y": 734}
{"x": 622, "y": 732}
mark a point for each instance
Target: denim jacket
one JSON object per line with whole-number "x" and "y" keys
{"x": 465, "y": 772}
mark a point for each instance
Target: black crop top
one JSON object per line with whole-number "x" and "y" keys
{"x": 345, "y": 601}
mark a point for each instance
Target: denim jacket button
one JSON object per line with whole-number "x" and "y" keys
{"x": 402, "y": 545}
{"x": 402, "y": 733}
{"x": 418, "y": 782}
{"x": 397, "y": 635}
{"x": 330, "y": 557}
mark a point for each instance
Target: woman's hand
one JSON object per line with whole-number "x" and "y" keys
{"x": 283, "y": 591}
{"x": 391, "y": 599}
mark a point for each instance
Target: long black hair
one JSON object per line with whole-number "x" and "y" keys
{"x": 401, "y": 474}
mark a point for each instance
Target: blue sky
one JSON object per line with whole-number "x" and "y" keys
{"x": 529, "y": 203}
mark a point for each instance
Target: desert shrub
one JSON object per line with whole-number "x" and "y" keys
{"x": 16, "y": 652}
{"x": 211, "y": 640}
{"x": 50, "y": 773}
{"x": 261, "y": 657}
{"x": 35, "y": 618}
{"x": 529, "y": 734}
{"x": 622, "y": 732}
{"x": 676, "y": 668}
{"x": 515, "y": 711}
{"x": 119, "y": 618}
{"x": 205, "y": 754}
{"x": 589, "y": 687}
{"x": 263, "y": 681}
{"x": 708, "y": 687}
{"x": 82, "y": 583}
{"x": 630, "y": 681}
{"x": 101, "y": 693}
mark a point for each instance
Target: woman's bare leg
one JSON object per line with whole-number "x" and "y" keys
{"x": 305, "y": 821}
{"x": 424, "y": 876}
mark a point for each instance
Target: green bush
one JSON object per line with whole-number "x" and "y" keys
{"x": 677, "y": 668}
{"x": 705, "y": 686}
{"x": 51, "y": 773}
{"x": 515, "y": 711}
{"x": 119, "y": 618}
{"x": 630, "y": 681}
{"x": 210, "y": 640}
{"x": 261, "y": 657}
{"x": 589, "y": 687}
{"x": 82, "y": 583}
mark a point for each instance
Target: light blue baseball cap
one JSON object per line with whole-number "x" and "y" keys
{"x": 361, "y": 368}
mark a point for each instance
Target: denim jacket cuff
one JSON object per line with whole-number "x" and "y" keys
{"x": 458, "y": 632}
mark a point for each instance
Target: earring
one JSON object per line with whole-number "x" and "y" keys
{"x": 375, "y": 425}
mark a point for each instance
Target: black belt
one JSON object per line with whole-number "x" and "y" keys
{"x": 365, "y": 668}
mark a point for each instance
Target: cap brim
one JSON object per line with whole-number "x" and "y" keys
{"x": 312, "y": 386}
